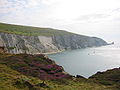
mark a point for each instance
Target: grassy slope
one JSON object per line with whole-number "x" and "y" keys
{"x": 109, "y": 77}
{"x": 30, "y": 31}
{"x": 9, "y": 79}
{"x": 13, "y": 80}
{"x": 34, "y": 65}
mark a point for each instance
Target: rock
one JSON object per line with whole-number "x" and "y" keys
{"x": 79, "y": 76}
{"x": 17, "y": 44}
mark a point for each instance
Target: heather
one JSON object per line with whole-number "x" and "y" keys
{"x": 38, "y": 72}
{"x": 13, "y": 80}
{"x": 35, "y": 65}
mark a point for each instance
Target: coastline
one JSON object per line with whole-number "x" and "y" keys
{"x": 48, "y": 53}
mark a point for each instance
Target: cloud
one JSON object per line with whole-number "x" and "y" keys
{"x": 58, "y": 12}
{"x": 115, "y": 15}
{"x": 106, "y": 16}
{"x": 116, "y": 10}
{"x": 7, "y": 6}
{"x": 92, "y": 17}
{"x": 14, "y": 5}
{"x": 50, "y": 2}
{"x": 33, "y": 3}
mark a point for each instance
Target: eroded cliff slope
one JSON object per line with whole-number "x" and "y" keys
{"x": 32, "y": 40}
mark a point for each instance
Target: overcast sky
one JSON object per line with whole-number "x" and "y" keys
{"x": 99, "y": 18}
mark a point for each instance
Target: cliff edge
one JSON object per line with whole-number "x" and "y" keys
{"x": 33, "y": 40}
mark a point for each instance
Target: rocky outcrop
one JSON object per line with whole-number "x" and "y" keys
{"x": 16, "y": 44}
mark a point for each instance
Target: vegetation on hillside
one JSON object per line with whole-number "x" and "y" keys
{"x": 30, "y": 31}
{"x": 23, "y": 72}
{"x": 13, "y": 80}
{"x": 110, "y": 77}
{"x": 35, "y": 65}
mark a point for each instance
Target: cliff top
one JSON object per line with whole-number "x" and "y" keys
{"x": 31, "y": 31}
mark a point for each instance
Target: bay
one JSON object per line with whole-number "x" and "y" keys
{"x": 86, "y": 62}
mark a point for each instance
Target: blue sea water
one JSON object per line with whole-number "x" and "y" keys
{"x": 87, "y": 62}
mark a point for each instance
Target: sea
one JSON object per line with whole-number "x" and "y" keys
{"x": 88, "y": 61}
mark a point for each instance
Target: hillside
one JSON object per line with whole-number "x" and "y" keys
{"x": 33, "y": 40}
{"x": 35, "y": 65}
{"x": 23, "y": 72}
{"x": 30, "y": 31}
{"x": 110, "y": 77}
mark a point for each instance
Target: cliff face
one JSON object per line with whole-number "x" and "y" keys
{"x": 77, "y": 41}
{"x": 46, "y": 44}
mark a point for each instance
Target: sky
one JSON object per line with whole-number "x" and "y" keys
{"x": 100, "y": 18}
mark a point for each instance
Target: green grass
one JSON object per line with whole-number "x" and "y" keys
{"x": 109, "y": 77}
{"x": 11, "y": 79}
{"x": 30, "y": 31}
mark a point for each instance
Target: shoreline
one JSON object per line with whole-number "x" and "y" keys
{"x": 48, "y": 53}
